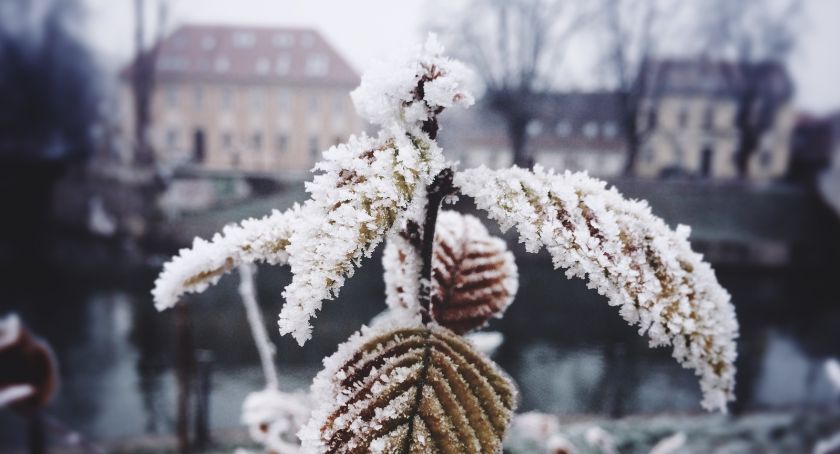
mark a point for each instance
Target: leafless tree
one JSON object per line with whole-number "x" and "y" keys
{"x": 759, "y": 36}
{"x": 634, "y": 31}
{"x": 143, "y": 77}
{"x": 517, "y": 47}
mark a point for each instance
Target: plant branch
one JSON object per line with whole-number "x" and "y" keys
{"x": 440, "y": 187}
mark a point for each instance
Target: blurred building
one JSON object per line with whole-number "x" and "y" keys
{"x": 813, "y": 146}
{"x": 574, "y": 131}
{"x": 693, "y": 113}
{"x": 246, "y": 98}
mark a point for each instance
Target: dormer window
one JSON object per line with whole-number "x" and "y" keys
{"x": 243, "y": 39}
{"x": 609, "y": 130}
{"x": 590, "y": 129}
{"x": 317, "y": 65}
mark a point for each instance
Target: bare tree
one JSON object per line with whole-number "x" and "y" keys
{"x": 759, "y": 37}
{"x": 634, "y": 30}
{"x": 143, "y": 77}
{"x": 517, "y": 47}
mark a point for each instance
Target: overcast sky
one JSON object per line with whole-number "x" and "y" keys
{"x": 364, "y": 30}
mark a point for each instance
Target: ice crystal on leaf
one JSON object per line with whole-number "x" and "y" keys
{"x": 411, "y": 389}
{"x": 627, "y": 254}
{"x": 404, "y": 93}
{"x": 474, "y": 276}
{"x": 195, "y": 269}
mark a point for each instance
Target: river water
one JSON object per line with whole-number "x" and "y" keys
{"x": 567, "y": 349}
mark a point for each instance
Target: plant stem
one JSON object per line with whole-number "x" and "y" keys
{"x": 440, "y": 187}
{"x": 265, "y": 348}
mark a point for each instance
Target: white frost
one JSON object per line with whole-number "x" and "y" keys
{"x": 627, "y": 254}
{"x": 195, "y": 269}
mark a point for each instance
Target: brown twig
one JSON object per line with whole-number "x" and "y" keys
{"x": 440, "y": 187}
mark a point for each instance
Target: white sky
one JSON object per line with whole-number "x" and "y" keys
{"x": 364, "y": 30}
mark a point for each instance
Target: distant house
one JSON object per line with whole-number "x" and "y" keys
{"x": 574, "y": 131}
{"x": 689, "y": 112}
{"x": 255, "y": 99}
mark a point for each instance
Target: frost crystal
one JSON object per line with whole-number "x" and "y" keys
{"x": 370, "y": 185}
{"x": 404, "y": 93}
{"x": 628, "y": 255}
{"x": 194, "y": 269}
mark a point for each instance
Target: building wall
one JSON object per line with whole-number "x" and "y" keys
{"x": 248, "y": 127}
{"x": 697, "y": 136}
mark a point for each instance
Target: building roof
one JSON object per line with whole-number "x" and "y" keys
{"x": 240, "y": 54}
{"x": 705, "y": 77}
{"x": 562, "y": 121}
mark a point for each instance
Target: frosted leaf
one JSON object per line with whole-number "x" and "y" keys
{"x": 628, "y": 255}
{"x": 274, "y": 417}
{"x": 365, "y": 188}
{"x": 474, "y": 276}
{"x": 412, "y": 88}
{"x": 195, "y": 269}
{"x": 407, "y": 388}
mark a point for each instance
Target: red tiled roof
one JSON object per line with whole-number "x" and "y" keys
{"x": 234, "y": 54}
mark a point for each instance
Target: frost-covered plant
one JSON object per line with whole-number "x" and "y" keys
{"x": 409, "y": 382}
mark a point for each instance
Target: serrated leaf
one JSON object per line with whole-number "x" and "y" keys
{"x": 474, "y": 276}
{"x": 410, "y": 390}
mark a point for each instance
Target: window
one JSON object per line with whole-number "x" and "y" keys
{"x": 317, "y": 65}
{"x": 281, "y": 142}
{"x": 683, "y": 118}
{"x": 221, "y": 65}
{"x": 227, "y": 98}
{"x": 227, "y": 141}
{"x": 534, "y": 128}
{"x": 313, "y": 103}
{"x": 282, "y": 39}
{"x": 765, "y": 158}
{"x": 590, "y": 129}
{"x": 283, "y": 100}
{"x": 256, "y": 141}
{"x": 563, "y": 128}
{"x": 172, "y": 97}
{"x": 652, "y": 118}
{"x": 208, "y": 42}
{"x": 282, "y": 64}
{"x": 709, "y": 119}
{"x": 609, "y": 129}
{"x": 171, "y": 138}
{"x": 313, "y": 147}
{"x": 244, "y": 39}
{"x": 338, "y": 104}
{"x": 263, "y": 66}
{"x": 256, "y": 98}
{"x": 706, "y": 162}
{"x": 198, "y": 96}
